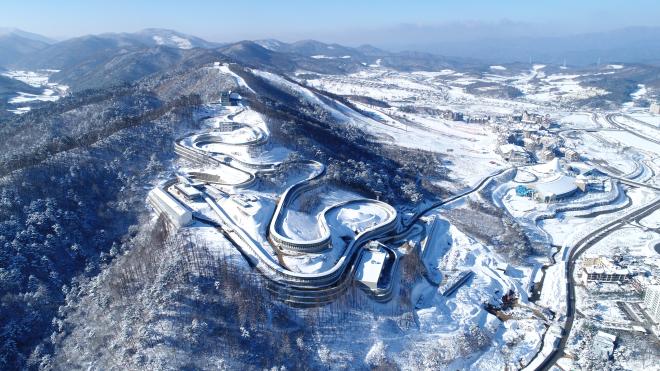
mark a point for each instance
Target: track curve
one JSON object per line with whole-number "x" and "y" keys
{"x": 303, "y": 289}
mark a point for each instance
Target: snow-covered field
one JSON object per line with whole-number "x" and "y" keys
{"x": 581, "y": 120}
{"x": 38, "y": 79}
{"x": 178, "y": 41}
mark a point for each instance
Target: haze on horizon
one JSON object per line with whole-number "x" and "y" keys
{"x": 499, "y": 32}
{"x": 382, "y": 23}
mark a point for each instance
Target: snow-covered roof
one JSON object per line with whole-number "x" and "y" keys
{"x": 605, "y": 336}
{"x": 549, "y": 167}
{"x": 370, "y": 267}
{"x": 603, "y": 270}
{"x": 188, "y": 190}
{"x": 582, "y": 167}
{"x": 508, "y": 148}
{"x": 558, "y": 186}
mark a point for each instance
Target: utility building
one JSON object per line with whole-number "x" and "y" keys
{"x": 163, "y": 203}
{"x": 189, "y": 192}
{"x": 371, "y": 266}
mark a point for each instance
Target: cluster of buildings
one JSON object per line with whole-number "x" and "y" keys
{"x": 533, "y": 119}
{"x": 525, "y": 138}
{"x": 605, "y": 269}
{"x": 514, "y": 153}
{"x": 460, "y": 116}
{"x": 451, "y": 115}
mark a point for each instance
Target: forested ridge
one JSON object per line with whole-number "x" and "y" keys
{"x": 72, "y": 185}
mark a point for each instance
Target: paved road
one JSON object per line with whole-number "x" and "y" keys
{"x": 610, "y": 118}
{"x": 580, "y": 247}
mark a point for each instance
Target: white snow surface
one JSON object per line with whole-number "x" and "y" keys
{"x": 224, "y": 68}
{"x": 39, "y": 79}
{"x": 178, "y": 41}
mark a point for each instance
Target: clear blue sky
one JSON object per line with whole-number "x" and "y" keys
{"x": 344, "y": 21}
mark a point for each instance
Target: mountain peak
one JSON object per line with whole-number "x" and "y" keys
{"x": 11, "y": 31}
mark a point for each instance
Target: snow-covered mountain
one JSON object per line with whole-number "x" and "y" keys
{"x": 174, "y": 39}
{"x": 16, "y": 44}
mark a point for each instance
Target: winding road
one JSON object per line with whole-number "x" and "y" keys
{"x": 579, "y": 248}
{"x": 588, "y": 241}
{"x": 611, "y": 119}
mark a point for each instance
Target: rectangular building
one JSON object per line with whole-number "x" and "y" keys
{"x": 571, "y": 155}
{"x": 604, "y": 344}
{"x": 655, "y": 108}
{"x": 162, "y": 202}
{"x": 188, "y": 191}
{"x": 606, "y": 275}
{"x": 652, "y": 302}
{"x": 370, "y": 267}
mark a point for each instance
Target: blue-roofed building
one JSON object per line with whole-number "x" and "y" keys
{"x": 523, "y": 191}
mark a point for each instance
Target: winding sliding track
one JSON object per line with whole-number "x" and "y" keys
{"x": 302, "y": 289}
{"x": 295, "y": 288}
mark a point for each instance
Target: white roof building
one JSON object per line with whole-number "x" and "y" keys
{"x": 188, "y": 191}
{"x": 557, "y": 187}
{"x": 162, "y": 202}
{"x": 370, "y": 267}
{"x": 655, "y": 108}
{"x": 508, "y": 148}
{"x": 604, "y": 344}
{"x": 514, "y": 153}
{"x": 652, "y": 302}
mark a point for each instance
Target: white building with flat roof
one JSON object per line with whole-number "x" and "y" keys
{"x": 164, "y": 203}
{"x": 188, "y": 191}
{"x": 604, "y": 344}
{"x": 370, "y": 267}
{"x": 652, "y": 302}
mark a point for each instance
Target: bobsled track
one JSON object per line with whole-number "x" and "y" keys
{"x": 295, "y": 288}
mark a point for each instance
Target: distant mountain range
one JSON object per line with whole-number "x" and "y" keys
{"x": 627, "y": 45}
{"x": 97, "y": 61}
{"x": 16, "y": 45}
{"x": 114, "y": 58}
